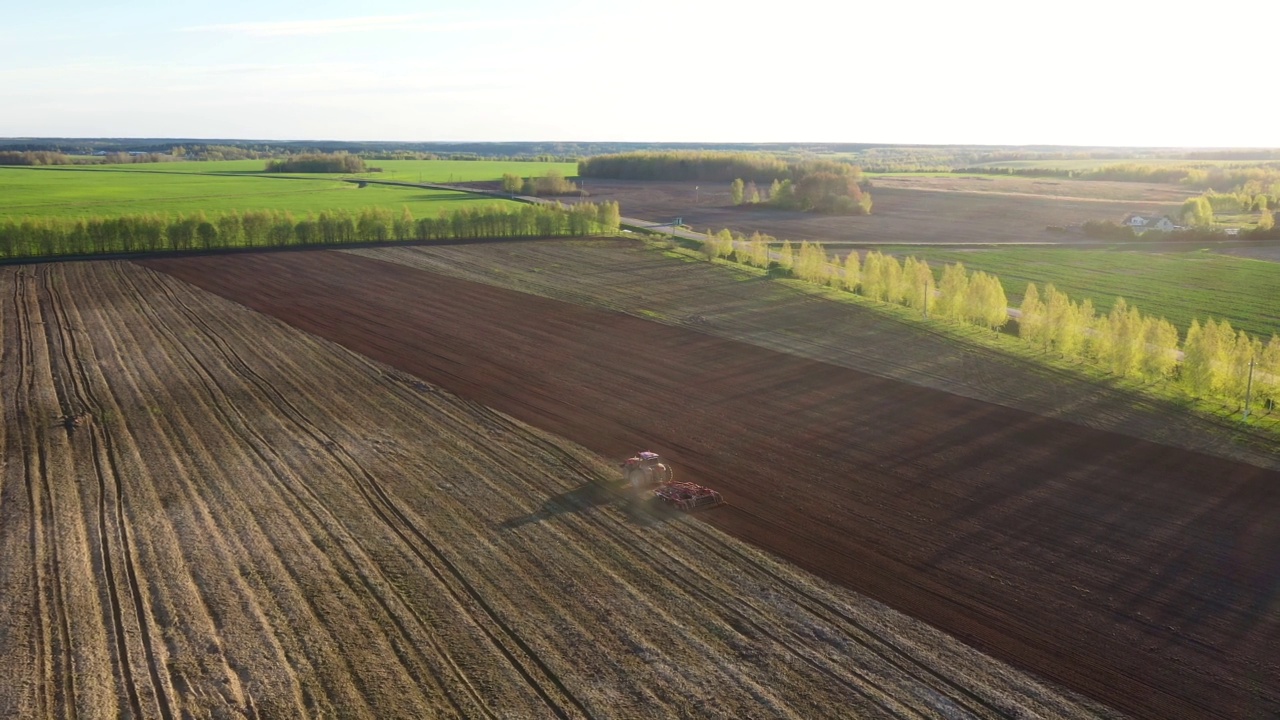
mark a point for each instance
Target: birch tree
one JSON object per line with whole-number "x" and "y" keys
{"x": 786, "y": 257}
{"x": 1032, "y": 323}
{"x": 852, "y": 271}
{"x": 891, "y": 280}
{"x": 1267, "y": 374}
{"x": 952, "y": 291}
{"x": 872, "y": 275}
{"x": 1161, "y": 354}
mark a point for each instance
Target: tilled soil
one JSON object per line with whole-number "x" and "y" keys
{"x": 247, "y": 521}
{"x": 902, "y": 213}
{"x": 640, "y": 279}
{"x": 1140, "y": 574}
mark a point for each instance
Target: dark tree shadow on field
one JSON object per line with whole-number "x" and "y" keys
{"x": 637, "y": 509}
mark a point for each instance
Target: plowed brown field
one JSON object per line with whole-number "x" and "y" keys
{"x": 642, "y": 280}
{"x": 1139, "y": 573}
{"x": 907, "y": 210}
{"x": 253, "y": 522}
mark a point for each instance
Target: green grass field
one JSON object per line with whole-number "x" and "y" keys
{"x": 445, "y": 171}
{"x": 1178, "y": 286}
{"x": 437, "y": 171}
{"x": 57, "y": 192}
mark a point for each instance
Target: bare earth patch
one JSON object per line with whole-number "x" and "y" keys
{"x": 904, "y": 213}
{"x": 1139, "y": 573}
{"x": 249, "y": 521}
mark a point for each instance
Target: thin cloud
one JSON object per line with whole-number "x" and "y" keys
{"x": 334, "y": 26}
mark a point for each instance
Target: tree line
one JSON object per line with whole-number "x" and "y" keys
{"x": 1237, "y": 175}
{"x": 553, "y": 183}
{"x": 976, "y": 298}
{"x": 1199, "y": 211}
{"x": 50, "y": 237}
{"x": 40, "y": 158}
{"x": 1211, "y": 361}
{"x": 823, "y": 192}
{"x": 34, "y": 158}
{"x": 711, "y": 166}
{"x": 339, "y": 162}
{"x": 685, "y": 165}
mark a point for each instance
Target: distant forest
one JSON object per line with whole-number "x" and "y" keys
{"x": 816, "y": 184}
{"x": 868, "y": 155}
{"x": 872, "y": 157}
{"x": 319, "y": 163}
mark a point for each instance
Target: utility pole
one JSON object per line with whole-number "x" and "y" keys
{"x": 1248, "y": 392}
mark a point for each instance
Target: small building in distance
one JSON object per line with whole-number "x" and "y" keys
{"x": 1142, "y": 223}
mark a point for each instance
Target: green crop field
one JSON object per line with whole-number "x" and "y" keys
{"x": 1178, "y": 286}
{"x": 60, "y": 192}
{"x": 194, "y": 166}
{"x": 445, "y": 171}
{"x": 434, "y": 171}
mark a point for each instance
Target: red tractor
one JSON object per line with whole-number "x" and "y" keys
{"x": 647, "y": 470}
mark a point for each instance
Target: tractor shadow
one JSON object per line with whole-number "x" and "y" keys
{"x": 638, "y": 510}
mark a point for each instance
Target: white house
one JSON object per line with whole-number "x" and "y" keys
{"x": 1143, "y": 223}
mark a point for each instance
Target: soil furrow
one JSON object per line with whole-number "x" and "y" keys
{"x": 82, "y": 389}
{"x": 385, "y": 507}
{"x": 314, "y": 533}
{"x": 222, "y": 587}
{"x": 34, "y": 470}
{"x": 105, "y": 545}
{"x": 945, "y": 536}
{"x": 671, "y": 567}
{"x": 271, "y": 554}
{"x": 304, "y": 491}
{"x": 494, "y": 491}
{"x": 306, "y": 497}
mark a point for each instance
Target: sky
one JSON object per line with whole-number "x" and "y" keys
{"x": 1118, "y": 73}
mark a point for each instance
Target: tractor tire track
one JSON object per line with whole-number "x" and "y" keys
{"x": 886, "y": 651}
{"x": 686, "y": 577}
{"x": 511, "y": 467}
{"x": 250, "y": 555}
{"x": 83, "y": 395}
{"x": 255, "y": 554}
{"x": 304, "y": 495}
{"x": 385, "y": 508}
{"x": 872, "y": 641}
{"x": 33, "y": 462}
{"x": 689, "y": 577}
{"x": 728, "y": 409}
{"x": 681, "y": 573}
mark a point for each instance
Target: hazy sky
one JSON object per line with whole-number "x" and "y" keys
{"x": 1082, "y": 73}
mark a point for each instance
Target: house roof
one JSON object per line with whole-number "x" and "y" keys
{"x": 1147, "y": 219}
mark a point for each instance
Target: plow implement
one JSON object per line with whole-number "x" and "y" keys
{"x": 648, "y": 470}
{"x": 687, "y": 496}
